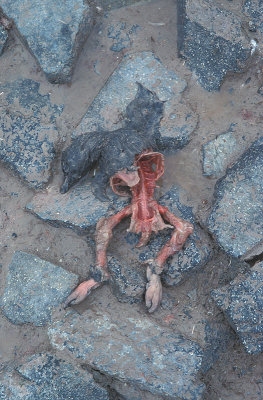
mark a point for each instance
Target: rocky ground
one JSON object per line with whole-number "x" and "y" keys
{"x": 72, "y": 67}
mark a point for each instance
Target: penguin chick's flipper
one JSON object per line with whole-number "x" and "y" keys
{"x": 78, "y": 159}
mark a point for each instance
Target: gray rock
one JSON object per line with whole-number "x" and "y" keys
{"x": 211, "y": 40}
{"x": 33, "y": 288}
{"x": 78, "y": 209}
{"x": 254, "y": 10}
{"x": 59, "y": 380}
{"x": 139, "y": 351}
{"x": 242, "y": 303}
{"x": 196, "y": 252}
{"x": 217, "y": 337}
{"x": 105, "y": 112}
{"x": 3, "y": 39}
{"x": 14, "y": 388}
{"x": 45, "y": 377}
{"x": 237, "y": 214}
{"x": 54, "y": 32}
{"x": 121, "y": 35}
{"x": 28, "y": 130}
{"x": 218, "y": 154}
{"x": 127, "y": 282}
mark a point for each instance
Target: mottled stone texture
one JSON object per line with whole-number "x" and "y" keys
{"x": 237, "y": 214}
{"x": 105, "y": 112}
{"x": 254, "y": 10}
{"x": 242, "y": 303}
{"x": 134, "y": 350}
{"x": 211, "y": 40}
{"x": 54, "y": 31}
{"x": 33, "y": 288}
{"x": 46, "y": 377}
{"x": 78, "y": 209}
{"x": 3, "y": 39}
{"x": 28, "y": 130}
{"x": 127, "y": 282}
{"x": 218, "y": 154}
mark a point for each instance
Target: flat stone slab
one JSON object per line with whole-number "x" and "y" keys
{"x": 3, "y": 39}
{"x": 54, "y": 32}
{"x": 105, "y": 112}
{"x": 242, "y": 303}
{"x": 28, "y": 132}
{"x": 78, "y": 209}
{"x": 211, "y": 40}
{"x": 33, "y": 288}
{"x": 218, "y": 154}
{"x": 46, "y": 377}
{"x": 237, "y": 214}
{"x": 135, "y": 350}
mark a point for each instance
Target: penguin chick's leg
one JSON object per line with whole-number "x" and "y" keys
{"x": 98, "y": 273}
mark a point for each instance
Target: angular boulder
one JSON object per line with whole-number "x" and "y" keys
{"x": 28, "y": 130}
{"x": 242, "y": 303}
{"x": 211, "y": 40}
{"x": 236, "y": 220}
{"x": 33, "y": 288}
{"x": 45, "y": 377}
{"x": 134, "y": 350}
{"x": 54, "y": 31}
{"x": 218, "y": 154}
{"x": 105, "y": 112}
{"x": 78, "y": 209}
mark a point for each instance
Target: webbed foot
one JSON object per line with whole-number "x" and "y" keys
{"x": 81, "y": 292}
{"x": 153, "y": 295}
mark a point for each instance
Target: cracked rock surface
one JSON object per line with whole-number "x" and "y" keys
{"x": 241, "y": 301}
{"x": 140, "y": 351}
{"x": 236, "y": 217}
{"x": 53, "y": 31}
{"x": 33, "y": 288}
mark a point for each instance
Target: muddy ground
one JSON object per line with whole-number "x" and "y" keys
{"x": 236, "y": 375}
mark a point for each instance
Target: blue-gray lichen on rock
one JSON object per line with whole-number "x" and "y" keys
{"x": 106, "y": 111}
{"x": 54, "y": 31}
{"x": 28, "y": 130}
{"x": 211, "y": 40}
{"x": 237, "y": 214}
{"x": 218, "y": 154}
{"x": 3, "y": 39}
{"x": 33, "y": 288}
{"x": 196, "y": 252}
{"x": 143, "y": 354}
{"x": 242, "y": 303}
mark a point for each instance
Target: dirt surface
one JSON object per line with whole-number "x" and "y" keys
{"x": 236, "y": 375}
